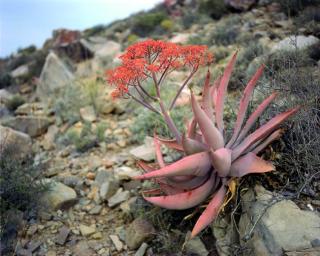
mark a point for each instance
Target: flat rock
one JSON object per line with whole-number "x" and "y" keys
{"x": 88, "y": 114}
{"x": 119, "y": 197}
{"x": 59, "y": 196}
{"x": 62, "y": 236}
{"x": 195, "y": 246}
{"x": 82, "y": 249}
{"x": 139, "y": 231}
{"x": 32, "y": 125}
{"x": 34, "y": 108}
{"x": 146, "y": 151}
{"x": 117, "y": 243}
{"x": 142, "y": 250}
{"x": 108, "y": 189}
{"x": 292, "y": 43}
{"x": 126, "y": 173}
{"x": 20, "y": 71}
{"x": 21, "y": 141}
{"x": 87, "y": 230}
{"x": 55, "y": 74}
{"x": 282, "y": 227}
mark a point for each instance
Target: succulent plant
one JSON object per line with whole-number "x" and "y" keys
{"x": 211, "y": 161}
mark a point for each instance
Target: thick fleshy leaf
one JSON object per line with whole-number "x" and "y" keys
{"x": 261, "y": 132}
{"x": 191, "y": 146}
{"x": 214, "y": 92}
{"x": 198, "y": 165}
{"x": 144, "y": 166}
{"x": 250, "y": 163}
{"x": 158, "y": 152}
{"x": 211, "y": 212}
{"x": 184, "y": 200}
{"x": 274, "y": 136}
{"x": 221, "y": 93}
{"x": 188, "y": 184}
{"x": 173, "y": 144}
{"x": 192, "y": 128}
{"x": 244, "y": 103}
{"x": 206, "y": 98}
{"x": 253, "y": 118}
{"x": 221, "y": 161}
{"x": 210, "y": 133}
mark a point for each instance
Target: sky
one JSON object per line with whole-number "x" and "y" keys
{"x": 26, "y": 22}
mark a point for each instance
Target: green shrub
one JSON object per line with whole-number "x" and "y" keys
{"x": 94, "y": 31}
{"x": 146, "y": 23}
{"x": 132, "y": 38}
{"x": 214, "y": 8}
{"x": 5, "y": 80}
{"x": 27, "y": 50}
{"x": 292, "y": 7}
{"x": 16, "y": 101}
{"x": 167, "y": 24}
{"x": 19, "y": 190}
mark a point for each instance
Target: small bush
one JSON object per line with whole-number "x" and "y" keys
{"x": 214, "y": 8}
{"x": 5, "y": 80}
{"x": 15, "y": 102}
{"x": 94, "y": 31}
{"x": 146, "y": 23}
{"x": 19, "y": 190}
{"x": 132, "y": 38}
{"x": 27, "y": 50}
{"x": 167, "y": 25}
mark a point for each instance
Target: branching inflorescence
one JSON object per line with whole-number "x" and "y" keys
{"x": 212, "y": 162}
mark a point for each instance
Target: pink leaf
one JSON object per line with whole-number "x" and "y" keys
{"x": 211, "y": 134}
{"x": 158, "y": 151}
{"x": 191, "y": 146}
{"x": 184, "y": 200}
{"x": 211, "y": 212}
{"x": 250, "y": 163}
{"x": 274, "y": 136}
{"x": 221, "y": 93}
{"x": 191, "y": 132}
{"x": 244, "y": 105}
{"x": 206, "y": 98}
{"x": 221, "y": 161}
{"x": 214, "y": 91}
{"x": 254, "y": 116}
{"x": 261, "y": 132}
{"x": 198, "y": 165}
{"x": 188, "y": 184}
{"x": 173, "y": 144}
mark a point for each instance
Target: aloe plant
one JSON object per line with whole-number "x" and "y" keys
{"x": 211, "y": 161}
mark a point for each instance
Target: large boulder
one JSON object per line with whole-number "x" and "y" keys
{"x": 10, "y": 137}
{"x": 59, "y": 196}
{"x": 279, "y": 225}
{"x": 32, "y": 125}
{"x": 55, "y": 74}
{"x": 292, "y": 43}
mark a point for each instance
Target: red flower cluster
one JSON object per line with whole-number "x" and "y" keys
{"x": 151, "y": 58}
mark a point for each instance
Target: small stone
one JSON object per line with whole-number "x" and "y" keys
{"x": 126, "y": 173}
{"x": 129, "y": 205}
{"x": 51, "y": 253}
{"x": 139, "y": 231}
{"x": 90, "y": 175}
{"x": 142, "y": 250}
{"x": 97, "y": 235}
{"x": 108, "y": 189}
{"x": 146, "y": 151}
{"x": 87, "y": 230}
{"x": 61, "y": 238}
{"x": 32, "y": 230}
{"x": 118, "y": 198}
{"x": 82, "y": 249}
{"x": 195, "y": 246}
{"x": 96, "y": 210}
{"x": 116, "y": 241}
{"x": 88, "y": 114}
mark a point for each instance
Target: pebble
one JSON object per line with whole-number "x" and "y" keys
{"x": 87, "y": 230}
{"x": 118, "y": 198}
{"x": 116, "y": 241}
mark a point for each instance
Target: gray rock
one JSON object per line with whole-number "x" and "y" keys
{"x": 82, "y": 249}
{"x": 20, "y": 140}
{"x": 49, "y": 138}
{"x": 108, "y": 189}
{"x": 87, "y": 230}
{"x": 139, "y": 231}
{"x": 126, "y": 173}
{"x": 32, "y": 125}
{"x": 96, "y": 210}
{"x": 34, "y": 108}
{"x": 142, "y": 250}
{"x": 240, "y": 5}
{"x": 144, "y": 152}
{"x": 292, "y": 43}
{"x": 62, "y": 236}
{"x": 59, "y": 196}
{"x": 195, "y": 246}
{"x": 88, "y": 114}
{"x": 5, "y": 96}
{"x": 117, "y": 243}
{"x": 282, "y": 227}
{"x": 180, "y": 38}
{"x": 55, "y": 74}
{"x": 20, "y": 71}
{"x": 119, "y": 197}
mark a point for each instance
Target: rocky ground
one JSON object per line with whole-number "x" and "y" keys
{"x": 93, "y": 207}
